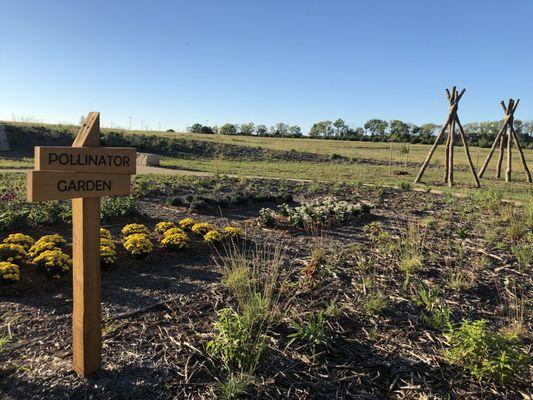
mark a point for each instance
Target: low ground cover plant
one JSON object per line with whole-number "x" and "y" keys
{"x": 323, "y": 210}
{"x": 486, "y": 354}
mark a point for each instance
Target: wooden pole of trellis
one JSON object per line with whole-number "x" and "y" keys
{"x": 451, "y": 123}
{"x": 506, "y": 135}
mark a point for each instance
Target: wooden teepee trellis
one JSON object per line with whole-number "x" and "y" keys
{"x": 508, "y": 126}
{"x": 451, "y": 123}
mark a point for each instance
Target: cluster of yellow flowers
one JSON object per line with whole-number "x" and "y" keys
{"x": 132, "y": 229}
{"x": 213, "y": 237}
{"x": 9, "y": 272}
{"x": 57, "y": 240}
{"x": 187, "y": 223}
{"x": 53, "y": 261}
{"x": 47, "y": 242}
{"x": 172, "y": 237}
{"x": 201, "y": 228}
{"x": 108, "y": 249}
{"x": 20, "y": 239}
{"x": 104, "y": 233}
{"x": 233, "y": 232}
{"x": 46, "y": 253}
{"x": 176, "y": 240}
{"x": 164, "y": 226}
{"x": 138, "y": 244}
{"x": 13, "y": 253}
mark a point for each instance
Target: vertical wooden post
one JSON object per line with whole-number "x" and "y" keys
{"x": 500, "y": 156}
{"x": 431, "y": 151}
{"x": 467, "y": 151}
{"x": 86, "y": 316}
{"x": 446, "y": 159}
{"x": 509, "y": 155}
{"x": 450, "y": 156}
{"x": 390, "y": 158}
{"x": 522, "y": 157}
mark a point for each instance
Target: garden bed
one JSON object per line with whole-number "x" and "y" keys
{"x": 357, "y": 282}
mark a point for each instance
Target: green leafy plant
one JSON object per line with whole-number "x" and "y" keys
{"x": 119, "y": 206}
{"x": 435, "y": 312}
{"x": 487, "y": 355}
{"x": 314, "y": 333}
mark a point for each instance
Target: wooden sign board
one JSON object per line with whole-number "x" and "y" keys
{"x": 56, "y": 185}
{"x": 116, "y": 160}
{"x": 83, "y": 173}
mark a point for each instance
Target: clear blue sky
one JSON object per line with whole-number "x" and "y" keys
{"x": 180, "y": 62}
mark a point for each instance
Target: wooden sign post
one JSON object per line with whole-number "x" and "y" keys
{"x": 84, "y": 173}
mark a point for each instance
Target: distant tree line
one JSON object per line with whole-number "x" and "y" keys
{"x": 375, "y": 130}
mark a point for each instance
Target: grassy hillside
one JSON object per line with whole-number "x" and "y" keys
{"x": 358, "y": 162}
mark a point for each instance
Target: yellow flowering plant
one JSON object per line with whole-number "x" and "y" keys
{"x": 138, "y": 245}
{"x": 233, "y": 232}
{"x": 187, "y": 223}
{"x": 213, "y": 237}
{"x": 9, "y": 272}
{"x": 53, "y": 261}
{"x": 172, "y": 231}
{"x": 20, "y": 239}
{"x": 56, "y": 240}
{"x": 40, "y": 247}
{"x": 164, "y": 226}
{"x": 108, "y": 255}
{"x": 178, "y": 240}
{"x": 104, "y": 233}
{"x": 201, "y": 228}
{"x": 13, "y": 253}
{"x": 132, "y": 229}
{"x": 105, "y": 242}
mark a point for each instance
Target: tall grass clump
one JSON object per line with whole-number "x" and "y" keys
{"x": 253, "y": 278}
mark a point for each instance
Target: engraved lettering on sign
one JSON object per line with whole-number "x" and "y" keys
{"x": 83, "y": 185}
{"x": 88, "y": 160}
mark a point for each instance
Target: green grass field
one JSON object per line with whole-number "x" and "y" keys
{"x": 374, "y": 173}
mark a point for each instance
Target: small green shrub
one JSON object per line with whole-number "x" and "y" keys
{"x": 405, "y": 186}
{"x": 375, "y": 304}
{"x": 487, "y": 355}
{"x": 236, "y": 344}
{"x": 436, "y": 313}
{"x": 233, "y": 387}
{"x": 119, "y": 206}
{"x": 314, "y": 333}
